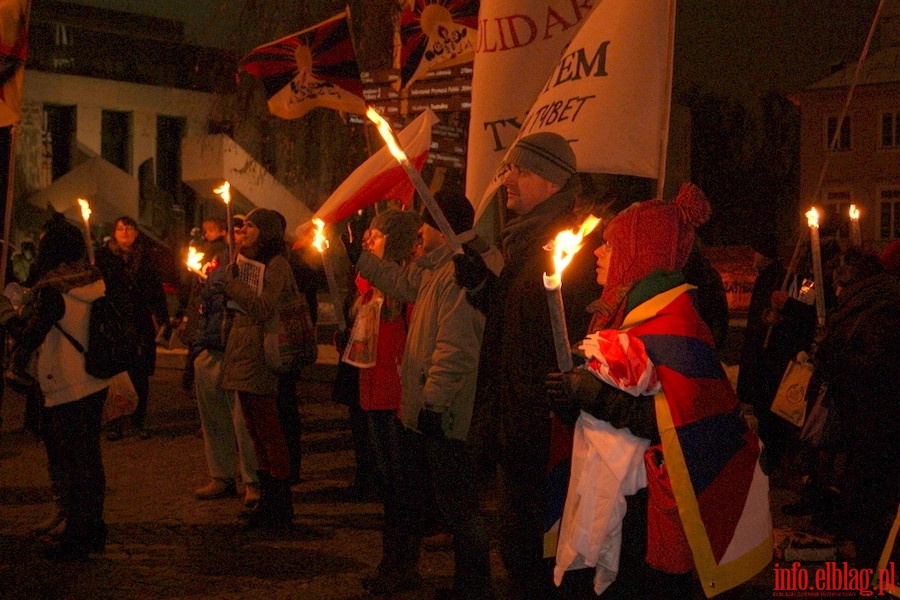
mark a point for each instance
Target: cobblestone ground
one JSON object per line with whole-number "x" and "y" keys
{"x": 165, "y": 544}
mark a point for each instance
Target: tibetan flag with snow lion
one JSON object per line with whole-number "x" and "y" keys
{"x": 436, "y": 34}
{"x": 381, "y": 176}
{"x": 312, "y": 68}
{"x": 711, "y": 454}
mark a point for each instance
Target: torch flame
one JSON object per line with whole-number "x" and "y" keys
{"x": 320, "y": 241}
{"x": 854, "y": 212}
{"x": 193, "y": 260}
{"x": 568, "y": 243}
{"x": 387, "y": 133}
{"x": 224, "y": 191}
{"x": 85, "y": 209}
{"x": 812, "y": 217}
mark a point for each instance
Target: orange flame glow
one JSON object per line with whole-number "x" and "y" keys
{"x": 85, "y": 209}
{"x": 387, "y": 133}
{"x": 193, "y": 260}
{"x": 224, "y": 191}
{"x": 320, "y": 241}
{"x": 812, "y": 218}
{"x": 854, "y": 212}
{"x": 566, "y": 245}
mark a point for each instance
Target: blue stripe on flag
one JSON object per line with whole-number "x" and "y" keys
{"x": 689, "y": 356}
{"x": 708, "y": 445}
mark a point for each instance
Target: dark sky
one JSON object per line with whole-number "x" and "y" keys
{"x": 741, "y": 48}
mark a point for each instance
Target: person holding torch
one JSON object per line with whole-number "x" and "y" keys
{"x": 512, "y": 422}
{"x": 438, "y": 375}
{"x": 652, "y": 379}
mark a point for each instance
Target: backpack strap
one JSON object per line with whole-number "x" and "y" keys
{"x": 69, "y": 337}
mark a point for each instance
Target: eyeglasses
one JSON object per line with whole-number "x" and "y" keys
{"x": 123, "y": 228}
{"x": 606, "y": 247}
{"x": 508, "y": 168}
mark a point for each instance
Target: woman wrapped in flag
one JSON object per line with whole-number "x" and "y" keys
{"x": 656, "y": 419}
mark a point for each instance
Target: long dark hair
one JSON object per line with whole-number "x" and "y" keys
{"x": 60, "y": 243}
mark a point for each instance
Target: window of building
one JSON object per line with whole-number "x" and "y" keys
{"x": 169, "y": 131}
{"x": 890, "y": 214}
{"x": 843, "y": 141}
{"x": 115, "y": 138}
{"x": 890, "y": 130}
{"x": 60, "y": 130}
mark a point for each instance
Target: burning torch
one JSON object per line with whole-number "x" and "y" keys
{"x": 812, "y": 219}
{"x": 564, "y": 248}
{"x": 86, "y": 217}
{"x": 397, "y": 152}
{"x": 322, "y": 244}
{"x": 224, "y": 191}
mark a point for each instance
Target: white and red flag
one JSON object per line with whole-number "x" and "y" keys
{"x": 312, "y": 68}
{"x": 13, "y": 52}
{"x": 381, "y": 176}
{"x": 436, "y": 34}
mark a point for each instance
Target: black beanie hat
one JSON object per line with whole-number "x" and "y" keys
{"x": 400, "y": 227}
{"x": 269, "y": 222}
{"x": 546, "y": 154}
{"x": 62, "y": 242}
{"x": 456, "y": 207}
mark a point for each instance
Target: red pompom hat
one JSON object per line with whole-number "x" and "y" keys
{"x": 646, "y": 237}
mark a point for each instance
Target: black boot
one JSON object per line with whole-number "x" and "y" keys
{"x": 255, "y": 514}
{"x": 275, "y": 507}
{"x": 284, "y": 502}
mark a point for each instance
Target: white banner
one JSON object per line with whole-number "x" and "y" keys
{"x": 519, "y": 43}
{"x": 609, "y": 94}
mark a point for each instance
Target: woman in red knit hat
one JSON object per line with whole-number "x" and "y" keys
{"x": 653, "y": 410}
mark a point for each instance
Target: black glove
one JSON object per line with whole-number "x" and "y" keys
{"x": 569, "y": 393}
{"x": 470, "y": 270}
{"x": 430, "y": 423}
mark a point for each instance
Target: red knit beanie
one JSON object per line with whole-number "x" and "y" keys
{"x": 650, "y": 236}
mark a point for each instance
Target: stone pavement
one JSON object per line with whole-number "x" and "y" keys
{"x": 165, "y": 544}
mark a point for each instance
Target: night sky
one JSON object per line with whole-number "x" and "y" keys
{"x": 740, "y": 48}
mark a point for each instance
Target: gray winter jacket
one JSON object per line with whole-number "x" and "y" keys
{"x": 440, "y": 362}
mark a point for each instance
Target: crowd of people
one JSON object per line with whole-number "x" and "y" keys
{"x": 450, "y": 370}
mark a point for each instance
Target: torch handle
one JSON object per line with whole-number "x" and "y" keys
{"x": 817, "y": 274}
{"x": 336, "y": 297}
{"x": 439, "y": 218}
{"x": 560, "y": 330}
{"x": 230, "y": 233}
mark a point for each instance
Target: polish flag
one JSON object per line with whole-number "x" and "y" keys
{"x": 381, "y": 177}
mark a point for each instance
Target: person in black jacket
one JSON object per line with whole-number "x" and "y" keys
{"x": 134, "y": 286}
{"x": 512, "y": 419}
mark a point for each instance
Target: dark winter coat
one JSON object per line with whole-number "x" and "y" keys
{"x": 134, "y": 285}
{"x": 512, "y": 412}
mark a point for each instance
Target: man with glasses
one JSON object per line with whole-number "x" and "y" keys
{"x": 512, "y": 416}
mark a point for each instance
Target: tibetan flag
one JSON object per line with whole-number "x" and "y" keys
{"x": 381, "y": 176}
{"x": 13, "y": 52}
{"x": 436, "y": 34}
{"x": 711, "y": 454}
{"x": 519, "y": 45}
{"x": 312, "y": 68}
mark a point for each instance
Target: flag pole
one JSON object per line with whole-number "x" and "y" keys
{"x": 10, "y": 188}
{"x": 801, "y": 238}
{"x": 667, "y": 103}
